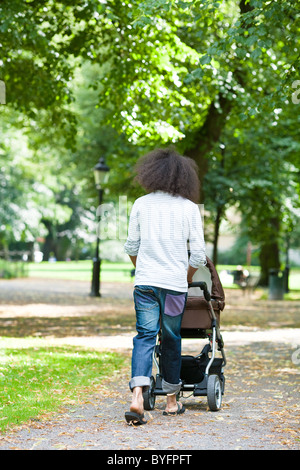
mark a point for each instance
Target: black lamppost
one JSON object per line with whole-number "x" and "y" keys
{"x": 101, "y": 177}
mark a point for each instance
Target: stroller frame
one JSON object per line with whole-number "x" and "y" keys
{"x": 212, "y": 382}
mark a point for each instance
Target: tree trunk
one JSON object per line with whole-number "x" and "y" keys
{"x": 216, "y": 234}
{"x": 50, "y": 241}
{"x": 269, "y": 258}
{"x": 269, "y": 252}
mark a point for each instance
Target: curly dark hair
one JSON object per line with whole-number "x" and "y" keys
{"x": 168, "y": 171}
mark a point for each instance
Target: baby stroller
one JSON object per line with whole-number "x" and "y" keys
{"x": 202, "y": 374}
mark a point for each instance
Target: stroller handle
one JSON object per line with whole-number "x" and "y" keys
{"x": 203, "y": 286}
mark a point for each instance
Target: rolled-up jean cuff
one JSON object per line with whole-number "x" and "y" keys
{"x": 170, "y": 388}
{"x": 139, "y": 381}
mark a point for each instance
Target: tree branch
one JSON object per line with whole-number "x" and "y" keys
{"x": 209, "y": 134}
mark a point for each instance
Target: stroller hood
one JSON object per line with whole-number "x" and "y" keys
{"x": 217, "y": 291}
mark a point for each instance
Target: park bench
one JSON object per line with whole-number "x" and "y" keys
{"x": 245, "y": 280}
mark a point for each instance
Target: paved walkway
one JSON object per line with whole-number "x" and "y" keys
{"x": 260, "y": 409}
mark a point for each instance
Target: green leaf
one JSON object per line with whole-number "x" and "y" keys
{"x": 206, "y": 59}
{"x": 251, "y": 40}
{"x": 256, "y": 53}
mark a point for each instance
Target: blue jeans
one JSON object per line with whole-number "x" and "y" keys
{"x": 154, "y": 305}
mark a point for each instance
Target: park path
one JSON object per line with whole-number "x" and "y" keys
{"x": 260, "y": 408}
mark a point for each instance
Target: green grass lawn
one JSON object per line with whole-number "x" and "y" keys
{"x": 36, "y": 378}
{"x": 81, "y": 270}
{"x": 117, "y": 272}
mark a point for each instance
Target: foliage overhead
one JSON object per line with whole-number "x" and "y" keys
{"x": 199, "y": 74}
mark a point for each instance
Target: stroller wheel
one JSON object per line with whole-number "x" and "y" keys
{"x": 148, "y": 395}
{"x": 214, "y": 392}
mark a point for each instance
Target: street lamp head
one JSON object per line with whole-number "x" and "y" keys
{"x": 101, "y": 173}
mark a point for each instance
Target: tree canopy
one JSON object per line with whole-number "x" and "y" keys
{"x": 218, "y": 79}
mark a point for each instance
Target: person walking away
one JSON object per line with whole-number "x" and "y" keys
{"x": 161, "y": 224}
